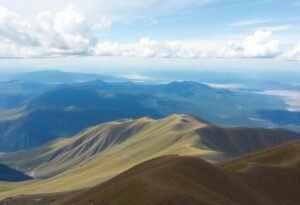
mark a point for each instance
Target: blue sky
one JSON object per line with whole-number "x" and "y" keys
{"x": 196, "y": 34}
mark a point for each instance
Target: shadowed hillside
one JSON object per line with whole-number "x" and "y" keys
{"x": 281, "y": 155}
{"x": 178, "y": 180}
{"x": 10, "y": 175}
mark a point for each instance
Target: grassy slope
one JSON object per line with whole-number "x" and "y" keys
{"x": 177, "y": 180}
{"x": 280, "y": 155}
{"x": 271, "y": 179}
{"x": 172, "y": 135}
{"x": 147, "y": 139}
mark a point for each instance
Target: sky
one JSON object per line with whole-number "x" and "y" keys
{"x": 91, "y": 35}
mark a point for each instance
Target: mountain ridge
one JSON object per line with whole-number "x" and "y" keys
{"x": 179, "y": 180}
{"x": 74, "y": 163}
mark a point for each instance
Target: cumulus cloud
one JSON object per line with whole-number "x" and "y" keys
{"x": 259, "y": 45}
{"x": 148, "y": 48}
{"x": 250, "y": 22}
{"x": 63, "y": 33}
{"x": 103, "y": 24}
{"x": 294, "y": 54}
{"x": 69, "y": 32}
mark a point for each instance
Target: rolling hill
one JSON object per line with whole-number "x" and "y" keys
{"x": 102, "y": 152}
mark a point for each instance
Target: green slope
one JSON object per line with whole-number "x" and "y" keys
{"x": 101, "y": 152}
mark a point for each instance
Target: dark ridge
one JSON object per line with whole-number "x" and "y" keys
{"x": 175, "y": 180}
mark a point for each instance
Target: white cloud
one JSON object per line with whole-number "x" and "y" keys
{"x": 14, "y": 29}
{"x": 251, "y": 22}
{"x": 293, "y": 54}
{"x": 259, "y": 45}
{"x": 69, "y": 33}
{"x": 138, "y": 78}
{"x": 276, "y": 28}
{"x": 148, "y": 48}
{"x": 103, "y": 24}
{"x": 51, "y": 34}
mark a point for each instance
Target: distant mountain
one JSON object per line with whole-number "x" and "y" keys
{"x": 14, "y": 93}
{"x": 60, "y": 77}
{"x": 63, "y": 113}
{"x": 100, "y": 147}
{"x": 63, "y": 110}
{"x": 178, "y": 180}
{"x": 8, "y": 174}
{"x": 281, "y": 117}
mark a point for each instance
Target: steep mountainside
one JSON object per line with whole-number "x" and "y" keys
{"x": 101, "y": 152}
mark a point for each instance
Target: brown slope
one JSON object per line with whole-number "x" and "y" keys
{"x": 238, "y": 141}
{"x": 280, "y": 155}
{"x": 175, "y": 180}
{"x": 170, "y": 180}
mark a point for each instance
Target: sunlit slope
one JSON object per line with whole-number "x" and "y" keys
{"x": 62, "y": 154}
{"x": 102, "y": 152}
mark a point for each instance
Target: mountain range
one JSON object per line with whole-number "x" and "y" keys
{"x": 39, "y": 113}
{"x": 102, "y": 152}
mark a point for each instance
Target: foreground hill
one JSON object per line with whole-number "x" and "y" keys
{"x": 11, "y": 175}
{"x": 178, "y": 180}
{"x": 281, "y": 155}
{"x": 102, "y": 152}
